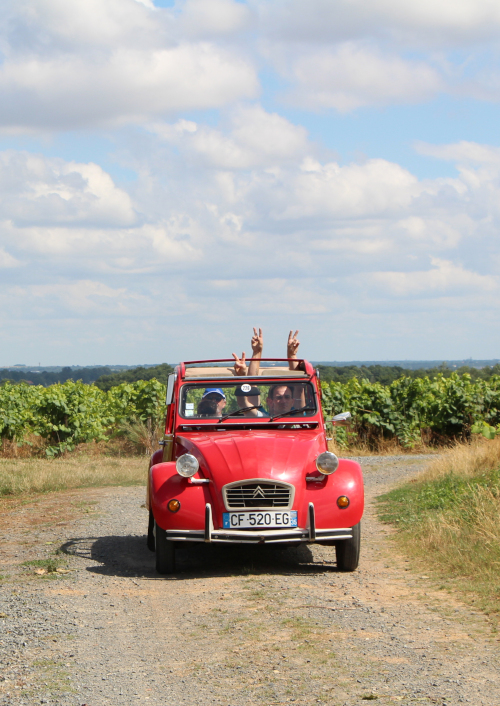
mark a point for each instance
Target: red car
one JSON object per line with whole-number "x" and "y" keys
{"x": 246, "y": 460}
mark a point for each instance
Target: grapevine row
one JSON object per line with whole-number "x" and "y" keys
{"x": 433, "y": 410}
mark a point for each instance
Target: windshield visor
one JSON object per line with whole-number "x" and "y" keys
{"x": 250, "y": 400}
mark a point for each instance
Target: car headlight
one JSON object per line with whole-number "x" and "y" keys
{"x": 187, "y": 465}
{"x": 327, "y": 463}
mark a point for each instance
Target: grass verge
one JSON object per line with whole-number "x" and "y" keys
{"x": 448, "y": 520}
{"x": 32, "y": 475}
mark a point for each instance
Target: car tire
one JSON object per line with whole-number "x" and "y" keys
{"x": 347, "y": 550}
{"x": 165, "y": 553}
{"x": 151, "y": 532}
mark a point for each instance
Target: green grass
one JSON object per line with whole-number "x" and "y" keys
{"x": 51, "y": 564}
{"x": 448, "y": 521}
{"x": 408, "y": 505}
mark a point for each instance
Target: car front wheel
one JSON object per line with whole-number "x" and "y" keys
{"x": 347, "y": 550}
{"x": 165, "y": 553}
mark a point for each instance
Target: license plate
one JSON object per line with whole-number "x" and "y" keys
{"x": 250, "y": 520}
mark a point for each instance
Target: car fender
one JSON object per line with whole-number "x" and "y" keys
{"x": 157, "y": 457}
{"x": 347, "y": 480}
{"x": 165, "y": 485}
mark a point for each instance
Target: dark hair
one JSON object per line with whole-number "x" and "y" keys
{"x": 208, "y": 407}
{"x": 253, "y": 392}
{"x": 270, "y": 394}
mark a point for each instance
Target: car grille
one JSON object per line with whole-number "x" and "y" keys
{"x": 258, "y": 494}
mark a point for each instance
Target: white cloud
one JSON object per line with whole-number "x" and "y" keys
{"x": 453, "y": 19}
{"x": 110, "y": 62}
{"x": 38, "y": 190}
{"x": 346, "y": 54}
{"x": 478, "y": 184}
{"x": 95, "y": 63}
{"x": 353, "y": 75}
{"x": 79, "y": 298}
{"x": 444, "y": 277}
{"x": 255, "y": 138}
{"x": 461, "y": 152}
{"x": 276, "y": 239}
{"x": 7, "y": 261}
{"x": 214, "y": 18}
{"x": 330, "y": 191}
{"x": 128, "y": 86}
{"x": 50, "y": 28}
{"x": 436, "y": 233}
{"x": 452, "y": 22}
{"x": 211, "y": 218}
{"x": 132, "y": 251}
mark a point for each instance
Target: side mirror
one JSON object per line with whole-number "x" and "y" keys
{"x": 342, "y": 419}
{"x": 170, "y": 388}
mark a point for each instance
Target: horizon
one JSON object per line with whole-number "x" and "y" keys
{"x": 406, "y": 364}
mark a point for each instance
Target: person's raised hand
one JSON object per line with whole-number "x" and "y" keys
{"x": 292, "y": 345}
{"x": 257, "y": 342}
{"x": 240, "y": 367}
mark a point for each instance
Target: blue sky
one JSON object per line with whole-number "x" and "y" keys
{"x": 174, "y": 173}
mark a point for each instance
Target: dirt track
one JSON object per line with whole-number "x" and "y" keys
{"x": 235, "y": 626}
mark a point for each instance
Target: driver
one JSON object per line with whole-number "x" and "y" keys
{"x": 212, "y": 403}
{"x": 279, "y": 399}
{"x": 285, "y": 398}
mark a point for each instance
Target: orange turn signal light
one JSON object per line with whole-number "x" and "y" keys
{"x": 343, "y": 502}
{"x": 174, "y": 505}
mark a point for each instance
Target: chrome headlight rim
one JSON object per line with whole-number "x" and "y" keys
{"x": 327, "y": 463}
{"x": 187, "y": 465}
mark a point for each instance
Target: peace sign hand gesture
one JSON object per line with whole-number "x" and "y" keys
{"x": 257, "y": 342}
{"x": 292, "y": 348}
{"x": 292, "y": 345}
{"x": 240, "y": 367}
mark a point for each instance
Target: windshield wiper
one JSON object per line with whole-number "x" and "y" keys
{"x": 238, "y": 411}
{"x": 293, "y": 411}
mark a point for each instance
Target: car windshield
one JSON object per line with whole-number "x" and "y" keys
{"x": 249, "y": 400}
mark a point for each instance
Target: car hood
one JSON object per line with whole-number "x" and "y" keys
{"x": 279, "y": 454}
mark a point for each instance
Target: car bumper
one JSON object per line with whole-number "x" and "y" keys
{"x": 297, "y": 535}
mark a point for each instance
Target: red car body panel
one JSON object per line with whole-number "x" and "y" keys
{"x": 282, "y": 455}
{"x": 167, "y": 484}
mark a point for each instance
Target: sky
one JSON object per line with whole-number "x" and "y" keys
{"x": 174, "y": 173}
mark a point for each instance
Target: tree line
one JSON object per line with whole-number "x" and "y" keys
{"x": 387, "y": 374}
{"x": 102, "y": 376}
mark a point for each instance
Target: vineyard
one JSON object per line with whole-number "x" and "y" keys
{"x": 429, "y": 411}
{"x": 72, "y": 413}
{"x": 411, "y": 412}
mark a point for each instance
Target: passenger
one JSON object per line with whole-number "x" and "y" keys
{"x": 247, "y": 396}
{"x": 212, "y": 403}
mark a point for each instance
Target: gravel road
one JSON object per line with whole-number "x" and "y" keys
{"x": 236, "y": 625}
